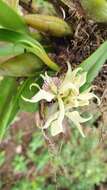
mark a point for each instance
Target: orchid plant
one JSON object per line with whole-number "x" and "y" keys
{"x": 65, "y": 97}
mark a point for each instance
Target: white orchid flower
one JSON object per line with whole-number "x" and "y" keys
{"x": 66, "y": 93}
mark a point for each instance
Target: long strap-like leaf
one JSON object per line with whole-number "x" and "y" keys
{"x": 8, "y": 89}
{"x": 93, "y": 64}
{"x": 29, "y": 43}
{"x": 9, "y": 106}
{"x": 10, "y": 19}
{"x": 23, "y": 65}
{"x": 10, "y": 50}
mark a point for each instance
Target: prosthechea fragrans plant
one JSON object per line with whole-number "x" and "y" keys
{"x": 14, "y": 31}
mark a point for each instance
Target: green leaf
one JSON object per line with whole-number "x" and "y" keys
{"x": 10, "y": 19}
{"x": 29, "y": 43}
{"x": 23, "y": 65}
{"x": 11, "y": 101}
{"x": 93, "y": 64}
{"x": 10, "y": 50}
{"x": 8, "y": 89}
{"x": 92, "y": 59}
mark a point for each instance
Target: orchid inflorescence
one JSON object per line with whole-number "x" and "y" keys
{"x": 65, "y": 97}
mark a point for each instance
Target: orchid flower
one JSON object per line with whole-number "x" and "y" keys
{"x": 65, "y": 92}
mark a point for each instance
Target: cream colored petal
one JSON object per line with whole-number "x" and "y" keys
{"x": 55, "y": 121}
{"x": 61, "y": 111}
{"x": 45, "y": 77}
{"x": 57, "y": 125}
{"x": 55, "y": 128}
{"x": 71, "y": 102}
{"x": 69, "y": 87}
{"x": 34, "y": 84}
{"x": 88, "y": 96}
{"x": 76, "y": 103}
{"x": 71, "y": 81}
{"x": 51, "y": 119}
{"x": 68, "y": 74}
{"x": 80, "y": 79}
{"x": 77, "y": 119}
{"x": 75, "y": 74}
{"x": 41, "y": 95}
{"x": 83, "y": 103}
